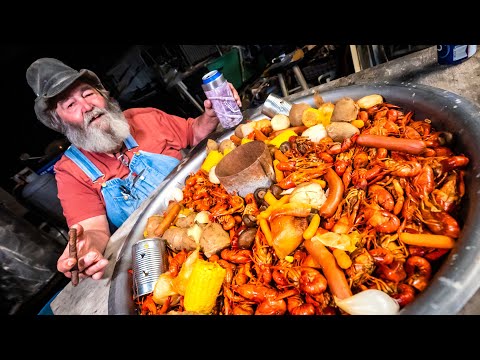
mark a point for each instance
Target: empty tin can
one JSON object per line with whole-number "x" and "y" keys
{"x": 149, "y": 262}
{"x": 274, "y": 105}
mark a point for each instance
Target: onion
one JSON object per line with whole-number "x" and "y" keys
{"x": 369, "y": 302}
{"x": 202, "y": 217}
{"x": 212, "y": 176}
{"x": 163, "y": 288}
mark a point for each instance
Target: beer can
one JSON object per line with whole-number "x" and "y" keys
{"x": 218, "y": 91}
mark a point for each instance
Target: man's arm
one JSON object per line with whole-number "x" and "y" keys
{"x": 92, "y": 238}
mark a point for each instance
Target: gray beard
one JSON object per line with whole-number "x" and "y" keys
{"x": 94, "y": 139}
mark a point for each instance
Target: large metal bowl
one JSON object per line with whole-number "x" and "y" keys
{"x": 458, "y": 277}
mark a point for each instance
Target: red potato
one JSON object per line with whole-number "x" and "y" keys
{"x": 409, "y": 146}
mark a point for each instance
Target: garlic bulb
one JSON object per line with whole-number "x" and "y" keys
{"x": 369, "y": 302}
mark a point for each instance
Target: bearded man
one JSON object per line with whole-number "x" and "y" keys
{"x": 117, "y": 158}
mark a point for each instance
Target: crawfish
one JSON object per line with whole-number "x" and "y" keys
{"x": 402, "y": 169}
{"x": 346, "y": 144}
{"x": 424, "y": 182}
{"x": 252, "y": 207}
{"x": 229, "y": 267}
{"x": 236, "y": 203}
{"x": 236, "y": 256}
{"x": 381, "y": 256}
{"x": 262, "y": 255}
{"x": 361, "y": 177}
{"x": 243, "y": 309}
{"x": 422, "y": 127}
{"x": 399, "y": 197}
{"x": 311, "y": 281}
{"x": 405, "y": 294}
{"x": 360, "y": 160}
{"x": 454, "y": 162}
{"x": 301, "y": 176}
{"x": 296, "y": 306}
{"x": 362, "y": 266}
{"x": 440, "y": 222}
{"x": 381, "y": 196}
{"x": 265, "y": 296}
{"x": 381, "y": 220}
{"x": 447, "y": 197}
{"x": 419, "y": 272}
{"x": 411, "y": 133}
{"x": 176, "y": 262}
{"x": 393, "y": 272}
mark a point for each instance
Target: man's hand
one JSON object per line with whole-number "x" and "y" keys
{"x": 207, "y": 104}
{"x": 92, "y": 238}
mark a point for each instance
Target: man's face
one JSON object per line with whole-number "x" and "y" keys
{"x": 92, "y": 122}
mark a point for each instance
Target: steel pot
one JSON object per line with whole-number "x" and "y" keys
{"x": 456, "y": 280}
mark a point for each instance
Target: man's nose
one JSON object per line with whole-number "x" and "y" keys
{"x": 86, "y": 106}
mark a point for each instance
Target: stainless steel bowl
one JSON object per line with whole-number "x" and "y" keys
{"x": 456, "y": 280}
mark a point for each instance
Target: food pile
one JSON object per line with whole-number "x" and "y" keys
{"x": 361, "y": 213}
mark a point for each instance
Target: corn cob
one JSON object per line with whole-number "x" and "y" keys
{"x": 203, "y": 286}
{"x": 212, "y": 159}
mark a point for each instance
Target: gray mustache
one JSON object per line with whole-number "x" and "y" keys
{"x": 93, "y": 114}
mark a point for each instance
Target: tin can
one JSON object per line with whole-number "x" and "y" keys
{"x": 218, "y": 91}
{"x": 454, "y": 54}
{"x": 149, "y": 262}
{"x": 275, "y": 105}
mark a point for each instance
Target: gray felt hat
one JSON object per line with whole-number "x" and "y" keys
{"x": 48, "y": 77}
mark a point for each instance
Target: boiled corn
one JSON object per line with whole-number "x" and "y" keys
{"x": 212, "y": 159}
{"x": 203, "y": 286}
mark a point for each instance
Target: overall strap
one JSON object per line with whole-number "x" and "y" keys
{"x": 83, "y": 163}
{"x": 130, "y": 142}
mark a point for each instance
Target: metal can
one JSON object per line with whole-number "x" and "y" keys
{"x": 149, "y": 262}
{"x": 454, "y": 54}
{"x": 218, "y": 91}
{"x": 275, "y": 105}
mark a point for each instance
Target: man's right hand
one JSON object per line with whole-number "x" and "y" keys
{"x": 92, "y": 238}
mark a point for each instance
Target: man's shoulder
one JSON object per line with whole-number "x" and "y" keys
{"x": 133, "y": 112}
{"x": 147, "y": 113}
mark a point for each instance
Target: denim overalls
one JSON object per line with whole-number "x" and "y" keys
{"x": 123, "y": 196}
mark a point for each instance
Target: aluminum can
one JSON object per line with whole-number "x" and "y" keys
{"x": 150, "y": 260}
{"x": 218, "y": 91}
{"x": 454, "y": 54}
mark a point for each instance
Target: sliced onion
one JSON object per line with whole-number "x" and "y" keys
{"x": 369, "y": 302}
